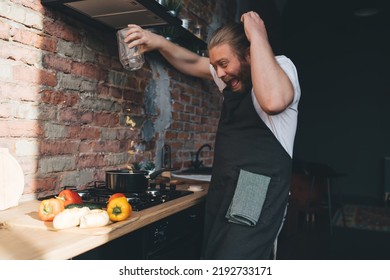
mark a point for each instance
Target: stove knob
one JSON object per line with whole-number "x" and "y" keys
{"x": 162, "y": 186}
{"x": 172, "y": 187}
{"x": 152, "y": 185}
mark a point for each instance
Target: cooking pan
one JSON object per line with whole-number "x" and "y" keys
{"x": 125, "y": 180}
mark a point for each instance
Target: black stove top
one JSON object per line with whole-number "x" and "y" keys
{"x": 138, "y": 201}
{"x": 99, "y": 194}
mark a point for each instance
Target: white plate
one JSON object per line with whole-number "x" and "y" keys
{"x": 11, "y": 180}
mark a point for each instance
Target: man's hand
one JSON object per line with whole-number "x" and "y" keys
{"x": 254, "y": 26}
{"x": 182, "y": 59}
{"x": 272, "y": 87}
{"x": 145, "y": 39}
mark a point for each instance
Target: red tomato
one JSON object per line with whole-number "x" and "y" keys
{"x": 70, "y": 197}
{"x": 49, "y": 208}
{"x": 115, "y": 195}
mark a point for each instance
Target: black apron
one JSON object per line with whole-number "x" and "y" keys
{"x": 244, "y": 141}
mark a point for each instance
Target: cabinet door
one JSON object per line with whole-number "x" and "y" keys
{"x": 176, "y": 237}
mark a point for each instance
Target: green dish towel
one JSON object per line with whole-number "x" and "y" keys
{"x": 249, "y": 196}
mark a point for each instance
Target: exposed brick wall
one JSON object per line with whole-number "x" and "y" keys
{"x": 65, "y": 100}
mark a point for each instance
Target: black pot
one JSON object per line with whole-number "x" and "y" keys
{"x": 125, "y": 180}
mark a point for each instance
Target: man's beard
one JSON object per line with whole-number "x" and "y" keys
{"x": 244, "y": 77}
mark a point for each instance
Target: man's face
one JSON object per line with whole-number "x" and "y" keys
{"x": 230, "y": 68}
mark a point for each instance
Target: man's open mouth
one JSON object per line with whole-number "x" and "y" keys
{"x": 232, "y": 83}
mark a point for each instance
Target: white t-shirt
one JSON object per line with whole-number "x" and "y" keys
{"x": 284, "y": 124}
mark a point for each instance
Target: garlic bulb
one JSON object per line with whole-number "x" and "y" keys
{"x": 94, "y": 218}
{"x": 69, "y": 217}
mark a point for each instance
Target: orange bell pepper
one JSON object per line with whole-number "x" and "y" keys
{"x": 115, "y": 195}
{"x": 49, "y": 208}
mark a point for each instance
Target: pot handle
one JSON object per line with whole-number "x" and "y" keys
{"x": 154, "y": 174}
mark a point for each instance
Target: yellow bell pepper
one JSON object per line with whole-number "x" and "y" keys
{"x": 119, "y": 209}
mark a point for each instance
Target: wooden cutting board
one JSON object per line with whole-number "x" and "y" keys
{"x": 31, "y": 220}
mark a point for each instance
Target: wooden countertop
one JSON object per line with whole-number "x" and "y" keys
{"x": 24, "y": 237}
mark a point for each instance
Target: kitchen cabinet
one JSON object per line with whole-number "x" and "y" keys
{"x": 176, "y": 237}
{"x": 116, "y": 14}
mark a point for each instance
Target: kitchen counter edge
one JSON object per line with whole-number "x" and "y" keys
{"x": 25, "y": 243}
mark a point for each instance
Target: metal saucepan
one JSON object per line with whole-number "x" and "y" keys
{"x": 125, "y": 180}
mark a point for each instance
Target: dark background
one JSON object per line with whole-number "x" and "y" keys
{"x": 342, "y": 62}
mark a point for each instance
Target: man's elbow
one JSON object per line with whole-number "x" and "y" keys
{"x": 272, "y": 110}
{"x": 274, "y": 107}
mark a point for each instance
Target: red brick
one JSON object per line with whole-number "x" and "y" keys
{"x": 171, "y": 135}
{"x": 195, "y": 101}
{"x": 20, "y": 128}
{"x": 116, "y": 65}
{"x": 115, "y": 92}
{"x": 83, "y": 132}
{"x": 189, "y": 109}
{"x": 177, "y": 126}
{"x": 74, "y": 131}
{"x": 59, "y": 30}
{"x": 195, "y": 118}
{"x": 126, "y": 134}
{"x": 199, "y": 111}
{"x": 19, "y": 53}
{"x": 103, "y": 90}
{"x": 110, "y": 146}
{"x": 29, "y": 38}
{"x": 175, "y": 93}
{"x": 68, "y": 115}
{"x": 132, "y": 82}
{"x": 189, "y": 127}
{"x": 86, "y": 146}
{"x": 51, "y": 147}
{"x": 33, "y": 75}
{"x": 87, "y": 70}
{"x": 90, "y": 160}
{"x": 135, "y": 97}
{"x": 143, "y": 83}
{"x": 86, "y": 117}
{"x": 183, "y": 117}
{"x": 58, "y": 63}
{"x": 184, "y": 135}
{"x": 89, "y": 133}
{"x": 177, "y": 106}
{"x": 185, "y": 98}
{"x": 33, "y": 4}
{"x": 44, "y": 184}
{"x": 18, "y": 92}
{"x": 7, "y": 110}
{"x": 105, "y": 119}
{"x": 66, "y": 99}
{"x": 4, "y": 31}
{"x": 103, "y": 60}
{"x": 47, "y": 78}
{"x": 176, "y": 146}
